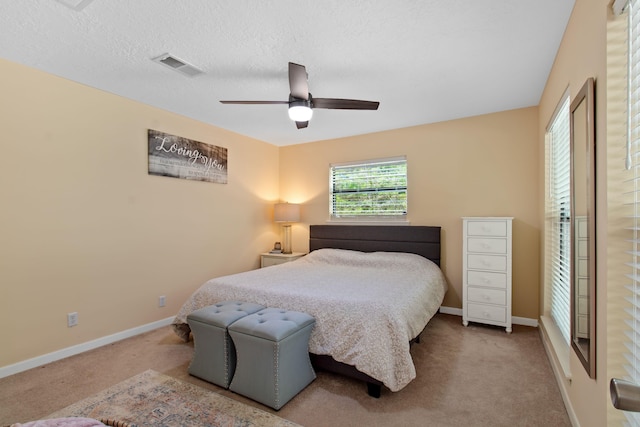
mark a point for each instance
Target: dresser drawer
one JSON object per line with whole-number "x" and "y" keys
{"x": 487, "y": 262}
{"x": 490, "y": 246}
{"x": 488, "y": 296}
{"x": 268, "y": 259}
{"x": 486, "y": 278}
{"x": 487, "y": 228}
{"x": 582, "y": 267}
{"x": 583, "y": 248}
{"x": 583, "y": 287}
{"x": 583, "y": 305}
{"x": 582, "y": 228}
{"x": 583, "y": 327}
{"x": 487, "y": 312}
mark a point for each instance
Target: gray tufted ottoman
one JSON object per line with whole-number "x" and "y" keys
{"x": 273, "y": 355}
{"x": 214, "y": 357}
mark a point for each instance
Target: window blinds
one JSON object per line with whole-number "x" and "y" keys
{"x": 633, "y": 198}
{"x": 373, "y": 188}
{"x": 558, "y": 210}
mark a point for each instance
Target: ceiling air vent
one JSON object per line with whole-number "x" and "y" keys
{"x": 76, "y": 4}
{"x": 178, "y": 65}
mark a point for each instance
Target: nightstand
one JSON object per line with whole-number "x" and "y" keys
{"x": 267, "y": 259}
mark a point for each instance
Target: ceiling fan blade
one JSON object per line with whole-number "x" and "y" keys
{"x": 298, "y": 81}
{"x": 344, "y": 104}
{"x": 254, "y": 102}
{"x": 302, "y": 125}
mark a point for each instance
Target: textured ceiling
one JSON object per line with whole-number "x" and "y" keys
{"x": 425, "y": 60}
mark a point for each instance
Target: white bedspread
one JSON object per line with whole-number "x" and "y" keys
{"x": 368, "y": 306}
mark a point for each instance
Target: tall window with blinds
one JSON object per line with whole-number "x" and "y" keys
{"x": 633, "y": 195}
{"x": 369, "y": 189}
{"x": 557, "y": 210}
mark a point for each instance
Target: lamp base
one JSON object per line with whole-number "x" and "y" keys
{"x": 286, "y": 242}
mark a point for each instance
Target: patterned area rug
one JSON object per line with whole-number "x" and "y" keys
{"x": 154, "y": 399}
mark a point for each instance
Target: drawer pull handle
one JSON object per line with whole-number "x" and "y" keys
{"x": 487, "y": 315}
{"x": 486, "y": 246}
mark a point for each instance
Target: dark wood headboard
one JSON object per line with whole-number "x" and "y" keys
{"x": 417, "y": 239}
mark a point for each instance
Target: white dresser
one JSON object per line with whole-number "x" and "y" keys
{"x": 486, "y": 271}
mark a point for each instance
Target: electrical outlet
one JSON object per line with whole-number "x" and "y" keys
{"x": 161, "y": 301}
{"x": 72, "y": 319}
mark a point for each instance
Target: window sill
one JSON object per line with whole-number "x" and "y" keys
{"x": 557, "y": 348}
{"x": 367, "y": 221}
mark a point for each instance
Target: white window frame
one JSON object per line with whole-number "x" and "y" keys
{"x": 557, "y": 240}
{"x": 368, "y": 219}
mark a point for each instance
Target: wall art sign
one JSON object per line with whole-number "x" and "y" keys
{"x": 179, "y": 157}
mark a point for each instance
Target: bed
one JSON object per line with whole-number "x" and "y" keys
{"x": 372, "y": 290}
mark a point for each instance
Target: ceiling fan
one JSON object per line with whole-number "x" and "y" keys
{"x": 301, "y": 103}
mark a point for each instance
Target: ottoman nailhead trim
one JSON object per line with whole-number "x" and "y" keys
{"x": 276, "y": 352}
{"x": 226, "y": 359}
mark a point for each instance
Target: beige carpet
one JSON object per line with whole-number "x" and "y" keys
{"x": 474, "y": 376}
{"x": 153, "y": 399}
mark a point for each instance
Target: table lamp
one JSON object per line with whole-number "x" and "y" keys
{"x": 286, "y": 213}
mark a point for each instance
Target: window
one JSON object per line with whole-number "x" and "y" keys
{"x": 558, "y": 221}
{"x": 631, "y": 195}
{"x": 369, "y": 189}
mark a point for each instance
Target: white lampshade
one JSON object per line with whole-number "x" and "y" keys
{"x": 286, "y": 212}
{"x": 300, "y": 110}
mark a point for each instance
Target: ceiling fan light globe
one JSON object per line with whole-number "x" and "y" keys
{"x": 300, "y": 113}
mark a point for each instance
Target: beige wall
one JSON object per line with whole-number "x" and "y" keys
{"x": 84, "y": 228}
{"x": 582, "y": 54}
{"x": 479, "y": 166}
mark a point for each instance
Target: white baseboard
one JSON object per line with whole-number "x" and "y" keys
{"x": 451, "y": 310}
{"x": 5, "y": 371}
{"x": 524, "y": 321}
